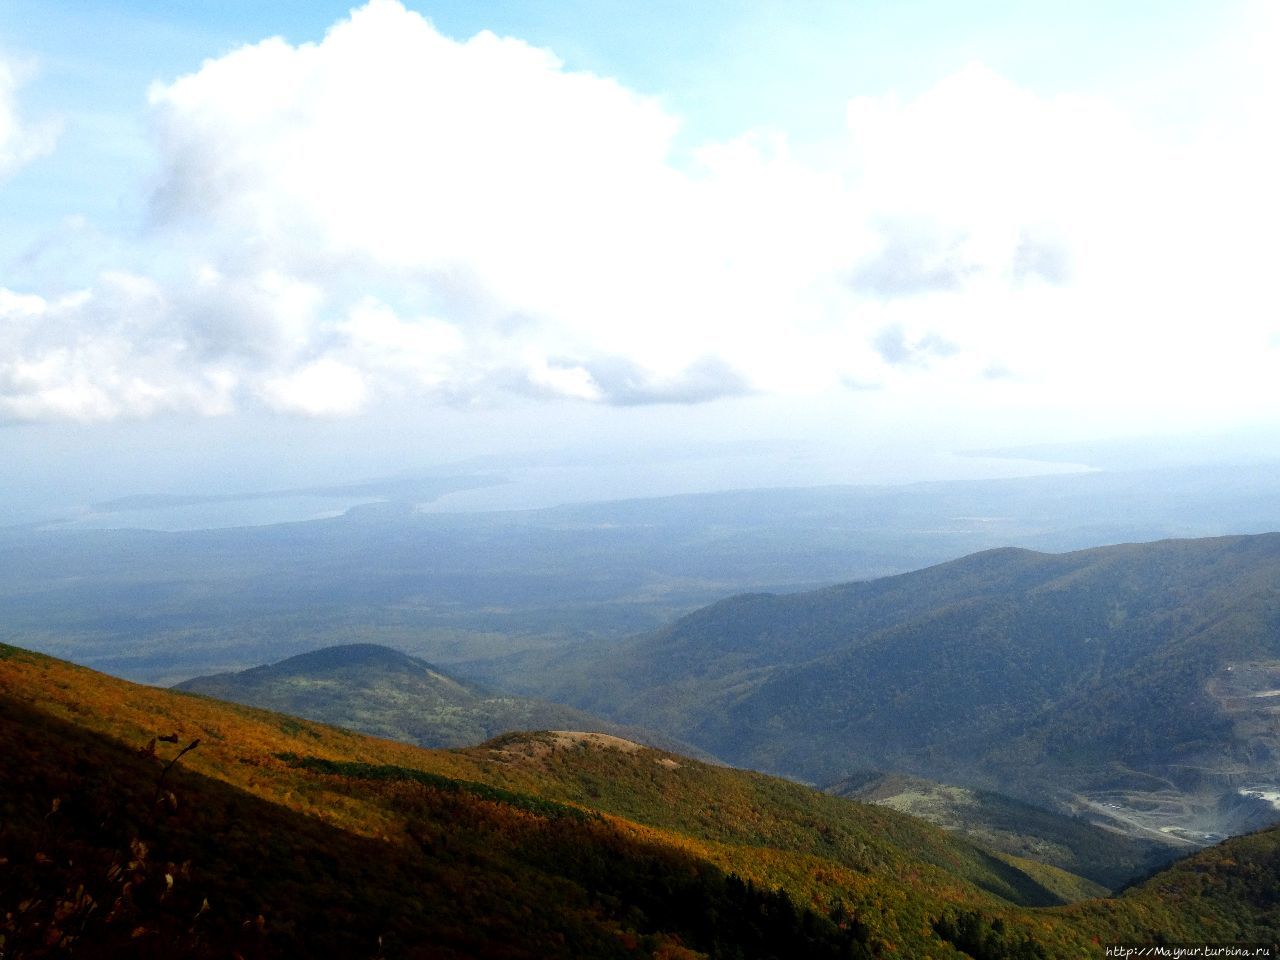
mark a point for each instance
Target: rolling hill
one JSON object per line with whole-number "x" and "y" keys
{"x": 1133, "y": 684}
{"x": 384, "y": 692}
{"x": 142, "y": 822}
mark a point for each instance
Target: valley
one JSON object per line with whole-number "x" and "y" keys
{"x": 1091, "y": 682}
{"x": 543, "y": 844}
{"x": 585, "y": 480}
{"x": 1107, "y": 856}
{"x": 478, "y": 591}
{"x": 1074, "y": 722}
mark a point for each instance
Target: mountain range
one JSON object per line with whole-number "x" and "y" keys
{"x": 1132, "y": 684}
{"x": 1075, "y": 721}
{"x": 160, "y": 607}
{"x": 146, "y": 822}
{"x": 388, "y": 693}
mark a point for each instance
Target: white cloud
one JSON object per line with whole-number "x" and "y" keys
{"x": 20, "y": 141}
{"x": 323, "y": 388}
{"x": 426, "y": 350}
{"x": 390, "y": 213}
{"x": 261, "y": 315}
{"x": 510, "y": 213}
{"x": 100, "y": 355}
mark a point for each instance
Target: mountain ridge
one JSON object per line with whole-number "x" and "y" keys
{"x": 302, "y": 839}
{"x": 456, "y": 587}
{"x": 385, "y": 692}
{"x": 1083, "y": 680}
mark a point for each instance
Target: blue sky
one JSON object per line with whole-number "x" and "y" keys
{"x": 721, "y": 67}
{"x": 951, "y": 225}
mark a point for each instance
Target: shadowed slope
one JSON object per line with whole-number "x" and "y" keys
{"x": 532, "y": 845}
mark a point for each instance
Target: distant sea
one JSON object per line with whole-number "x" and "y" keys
{"x": 535, "y": 486}
{"x": 529, "y": 486}
{"x": 210, "y": 516}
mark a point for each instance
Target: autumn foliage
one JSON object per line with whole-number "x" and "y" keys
{"x": 275, "y": 837}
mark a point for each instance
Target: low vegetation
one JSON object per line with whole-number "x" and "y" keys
{"x": 278, "y": 837}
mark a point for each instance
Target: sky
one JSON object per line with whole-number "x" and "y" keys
{"x": 248, "y": 244}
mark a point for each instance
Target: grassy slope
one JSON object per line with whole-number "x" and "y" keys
{"x": 333, "y": 865}
{"x": 512, "y": 867}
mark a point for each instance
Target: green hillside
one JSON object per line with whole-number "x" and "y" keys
{"x": 384, "y": 692}
{"x": 275, "y": 836}
{"x": 1130, "y": 683}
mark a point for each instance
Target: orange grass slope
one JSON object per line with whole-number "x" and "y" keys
{"x": 108, "y": 850}
{"x": 280, "y": 837}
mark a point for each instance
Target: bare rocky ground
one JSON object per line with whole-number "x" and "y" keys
{"x": 1207, "y": 799}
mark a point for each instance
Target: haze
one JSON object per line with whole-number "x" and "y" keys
{"x": 597, "y": 253}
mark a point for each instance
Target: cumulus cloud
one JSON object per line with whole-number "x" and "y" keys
{"x": 978, "y": 179}
{"x": 997, "y": 371}
{"x": 1040, "y": 257}
{"x": 621, "y": 382}
{"x": 100, "y": 355}
{"x": 390, "y": 212}
{"x": 625, "y": 384}
{"x": 323, "y": 388}
{"x": 914, "y": 258}
{"x": 894, "y": 345}
{"x": 20, "y": 140}
{"x": 860, "y": 386}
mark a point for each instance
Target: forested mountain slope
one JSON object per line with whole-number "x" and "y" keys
{"x": 143, "y": 822}
{"x": 1132, "y": 682}
{"x": 387, "y": 693}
